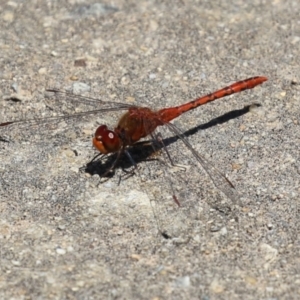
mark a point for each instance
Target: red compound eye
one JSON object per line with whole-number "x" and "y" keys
{"x": 105, "y": 140}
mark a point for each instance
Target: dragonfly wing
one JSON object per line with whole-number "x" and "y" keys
{"x": 76, "y": 99}
{"x": 156, "y": 180}
{"x": 186, "y": 198}
{"x": 65, "y": 109}
{"x": 219, "y": 179}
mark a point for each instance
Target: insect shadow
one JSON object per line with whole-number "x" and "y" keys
{"x": 144, "y": 151}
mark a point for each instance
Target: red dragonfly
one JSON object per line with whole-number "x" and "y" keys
{"x": 139, "y": 122}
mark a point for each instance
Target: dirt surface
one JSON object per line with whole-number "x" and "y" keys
{"x": 66, "y": 235}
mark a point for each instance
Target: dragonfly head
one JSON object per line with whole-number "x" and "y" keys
{"x": 106, "y": 141}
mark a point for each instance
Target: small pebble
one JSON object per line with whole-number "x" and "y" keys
{"x": 15, "y": 87}
{"x": 184, "y": 281}
{"x": 81, "y": 62}
{"x": 80, "y": 87}
{"x": 60, "y": 251}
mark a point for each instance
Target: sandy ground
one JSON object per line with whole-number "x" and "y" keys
{"x": 66, "y": 235}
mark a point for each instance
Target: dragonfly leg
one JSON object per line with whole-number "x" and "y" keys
{"x": 158, "y": 137}
{"x": 112, "y": 167}
{"x": 94, "y": 158}
{"x": 131, "y": 172}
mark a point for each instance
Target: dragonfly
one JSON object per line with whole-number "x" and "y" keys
{"x": 139, "y": 122}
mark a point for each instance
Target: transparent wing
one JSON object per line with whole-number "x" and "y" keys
{"x": 79, "y": 99}
{"x": 189, "y": 196}
{"x": 62, "y": 109}
{"x": 71, "y": 106}
{"x": 219, "y": 179}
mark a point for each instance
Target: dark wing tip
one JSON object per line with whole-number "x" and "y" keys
{"x": 6, "y": 123}
{"x": 52, "y": 90}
